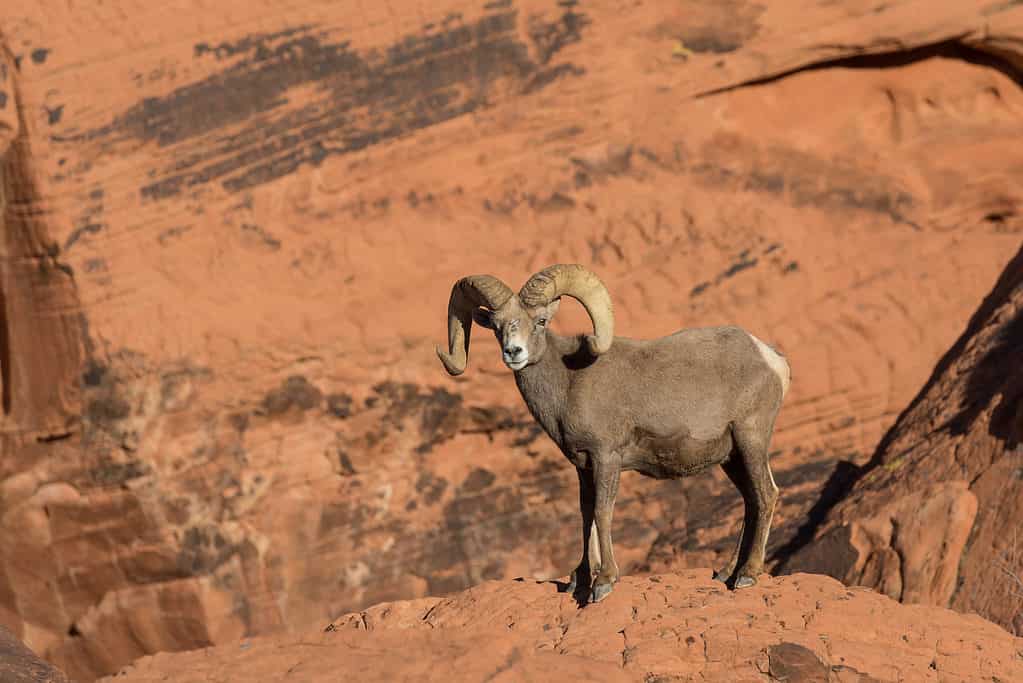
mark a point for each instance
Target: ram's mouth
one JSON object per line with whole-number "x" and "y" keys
{"x": 516, "y": 364}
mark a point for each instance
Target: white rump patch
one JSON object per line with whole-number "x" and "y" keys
{"x": 776, "y": 362}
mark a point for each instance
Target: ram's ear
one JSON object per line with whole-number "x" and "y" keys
{"x": 483, "y": 317}
{"x": 552, "y": 308}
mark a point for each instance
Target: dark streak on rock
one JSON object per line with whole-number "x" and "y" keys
{"x": 699, "y": 289}
{"x": 365, "y": 99}
{"x": 94, "y": 374}
{"x": 533, "y": 432}
{"x": 550, "y": 38}
{"x": 203, "y": 549}
{"x": 742, "y": 264}
{"x": 39, "y": 54}
{"x": 76, "y": 234}
{"x": 712, "y": 44}
{"x": 240, "y": 422}
{"x": 294, "y": 391}
{"x": 439, "y": 411}
{"x": 171, "y": 233}
{"x": 431, "y": 487}
{"x": 340, "y": 405}
{"x": 109, "y": 408}
{"x": 556, "y": 202}
{"x": 798, "y": 178}
{"x": 227, "y": 50}
{"x": 53, "y": 115}
{"x": 477, "y": 480}
{"x": 347, "y": 469}
{"x": 266, "y": 238}
{"x": 110, "y": 474}
{"x": 88, "y": 223}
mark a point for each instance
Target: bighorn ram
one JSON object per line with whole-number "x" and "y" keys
{"x": 666, "y": 408}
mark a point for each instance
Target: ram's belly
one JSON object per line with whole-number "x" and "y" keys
{"x": 680, "y": 455}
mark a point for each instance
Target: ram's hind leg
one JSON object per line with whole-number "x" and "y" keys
{"x": 752, "y": 438}
{"x": 736, "y": 471}
{"x": 607, "y": 470}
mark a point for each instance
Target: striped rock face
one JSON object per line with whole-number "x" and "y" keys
{"x": 229, "y": 232}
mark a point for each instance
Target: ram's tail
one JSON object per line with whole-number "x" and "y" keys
{"x": 776, "y": 360}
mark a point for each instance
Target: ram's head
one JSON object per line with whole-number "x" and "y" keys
{"x": 520, "y": 321}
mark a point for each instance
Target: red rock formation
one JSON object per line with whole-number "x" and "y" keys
{"x": 230, "y": 229}
{"x": 934, "y": 517}
{"x": 671, "y": 627}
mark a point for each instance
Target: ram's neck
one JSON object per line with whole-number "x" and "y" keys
{"x": 545, "y": 385}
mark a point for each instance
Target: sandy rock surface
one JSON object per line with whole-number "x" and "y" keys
{"x": 229, "y": 232}
{"x": 935, "y": 517}
{"x": 662, "y": 627}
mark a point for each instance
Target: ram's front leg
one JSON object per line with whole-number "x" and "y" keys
{"x": 582, "y": 575}
{"x": 607, "y": 469}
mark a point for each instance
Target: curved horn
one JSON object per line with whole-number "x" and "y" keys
{"x": 580, "y": 284}
{"x": 467, "y": 294}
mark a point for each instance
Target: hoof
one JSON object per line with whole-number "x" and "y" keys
{"x": 745, "y": 582}
{"x": 721, "y": 576}
{"x": 574, "y": 585}
{"x": 600, "y": 591}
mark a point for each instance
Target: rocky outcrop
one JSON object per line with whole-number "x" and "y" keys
{"x": 230, "y": 230}
{"x": 669, "y": 627}
{"x": 934, "y": 517}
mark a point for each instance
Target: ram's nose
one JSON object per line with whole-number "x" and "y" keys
{"x": 515, "y": 357}
{"x": 513, "y": 352}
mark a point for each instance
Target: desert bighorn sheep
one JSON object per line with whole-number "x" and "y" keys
{"x": 667, "y": 407}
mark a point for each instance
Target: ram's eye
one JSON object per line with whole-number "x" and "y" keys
{"x": 542, "y": 322}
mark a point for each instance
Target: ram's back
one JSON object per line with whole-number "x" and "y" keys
{"x": 693, "y": 383}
